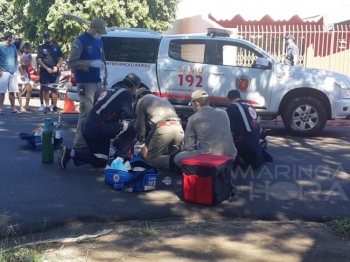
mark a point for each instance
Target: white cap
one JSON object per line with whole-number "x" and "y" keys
{"x": 199, "y": 94}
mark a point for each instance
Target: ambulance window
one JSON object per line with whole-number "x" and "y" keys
{"x": 136, "y": 50}
{"x": 187, "y": 50}
{"x": 236, "y": 55}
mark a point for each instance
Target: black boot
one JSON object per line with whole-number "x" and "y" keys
{"x": 172, "y": 165}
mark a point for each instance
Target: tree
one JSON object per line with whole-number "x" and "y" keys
{"x": 36, "y": 16}
{"x": 7, "y": 16}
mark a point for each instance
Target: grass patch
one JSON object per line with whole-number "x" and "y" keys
{"x": 23, "y": 255}
{"x": 150, "y": 232}
{"x": 341, "y": 226}
{"x": 146, "y": 231}
{"x": 7, "y": 231}
{"x": 8, "y": 238}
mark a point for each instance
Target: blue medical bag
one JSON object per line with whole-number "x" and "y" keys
{"x": 134, "y": 180}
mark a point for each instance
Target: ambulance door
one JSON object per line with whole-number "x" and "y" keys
{"x": 180, "y": 68}
{"x": 233, "y": 65}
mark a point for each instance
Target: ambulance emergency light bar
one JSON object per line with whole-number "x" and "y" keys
{"x": 212, "y": 31}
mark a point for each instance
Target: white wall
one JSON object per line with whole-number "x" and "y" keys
{"x": 191, "y": 25}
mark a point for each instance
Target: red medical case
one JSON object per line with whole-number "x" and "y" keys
{"x": 206, "y": 179}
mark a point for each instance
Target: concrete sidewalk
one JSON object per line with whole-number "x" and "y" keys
{"x": 195, "y": 240}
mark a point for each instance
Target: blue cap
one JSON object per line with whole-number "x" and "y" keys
{"x": 290, "y": 37}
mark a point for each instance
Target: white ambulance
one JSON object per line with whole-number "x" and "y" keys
{"x": 175, "y": 66}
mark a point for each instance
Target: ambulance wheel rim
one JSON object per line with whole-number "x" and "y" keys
{"x": 305, "y": 117}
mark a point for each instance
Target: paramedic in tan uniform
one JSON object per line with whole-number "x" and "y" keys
{"x": 87, "y": 59}
{"x": 207, "y": 131}
{"x": 159, "y": 129}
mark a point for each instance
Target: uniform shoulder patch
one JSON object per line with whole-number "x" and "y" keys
{"x": 75, "y": 45}
{"x": 103, "y": 95}
{"x": 252, "y": 113}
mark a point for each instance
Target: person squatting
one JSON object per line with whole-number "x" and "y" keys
{"x": 245, "y": 128}
{"x": 159, "y": 129}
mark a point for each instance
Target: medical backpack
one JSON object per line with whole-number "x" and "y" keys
{"x": 142, "y": 177}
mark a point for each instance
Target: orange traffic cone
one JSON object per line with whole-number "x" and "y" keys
{"x": 68, "y": 107}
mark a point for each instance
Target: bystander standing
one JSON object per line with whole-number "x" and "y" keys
{"x": 50, "y": 60}
{"x": 23, "y": 82}
{"x": 292, "y": 56}
{"x": 8, "y": 68}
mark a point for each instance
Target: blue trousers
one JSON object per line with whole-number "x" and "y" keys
{"x": 98, "y": 148}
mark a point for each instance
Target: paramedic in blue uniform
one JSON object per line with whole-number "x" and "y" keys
{"x": 112, "y": 116}
{"x": 245, "y": 128}
{"x": 159, "y": 129}
{"x": 87, "y": 59}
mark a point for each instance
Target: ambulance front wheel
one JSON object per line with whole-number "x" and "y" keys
{"x": 304, "y": 116}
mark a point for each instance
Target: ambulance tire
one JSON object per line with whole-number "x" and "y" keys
{"x": 304, "y": 116}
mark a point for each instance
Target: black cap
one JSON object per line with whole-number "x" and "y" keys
{"x": 141, "y": 91}
{"x": 46, "y": 35}
{"x": 232, "y": 94}
{"x": 131, "y": 80}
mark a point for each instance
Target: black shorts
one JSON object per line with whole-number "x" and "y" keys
{"x": 46, "y": 78}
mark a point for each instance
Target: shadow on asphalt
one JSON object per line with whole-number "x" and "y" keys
{"x": 308, "y": 181}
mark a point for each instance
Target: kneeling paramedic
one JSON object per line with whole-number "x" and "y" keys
{"x": 245, "y": 128}
{"x": 207, "y": 130}
{"x": 112, "y": 115}
{"x": 159, "y": 129}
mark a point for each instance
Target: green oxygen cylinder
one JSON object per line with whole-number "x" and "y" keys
{"x": 47, "y": 142}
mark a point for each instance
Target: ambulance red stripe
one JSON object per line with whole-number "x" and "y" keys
{"x": 188, "y": 97}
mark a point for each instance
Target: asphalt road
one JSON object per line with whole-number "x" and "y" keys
{"x": 308, "y": 181}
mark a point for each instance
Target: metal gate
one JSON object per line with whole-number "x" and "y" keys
{"x": 319, "y": 46}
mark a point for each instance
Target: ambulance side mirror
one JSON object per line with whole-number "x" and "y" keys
{"x": 262, "y": 63}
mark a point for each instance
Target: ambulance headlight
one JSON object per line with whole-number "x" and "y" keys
{"x": 341, "y": 84}
{"x": 345, "y": 88}
{"x": 345, "y": 93}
